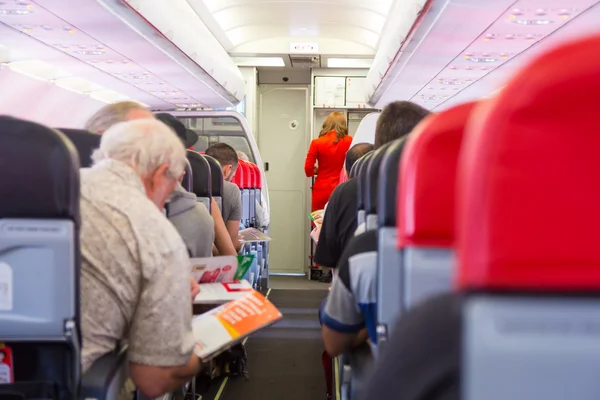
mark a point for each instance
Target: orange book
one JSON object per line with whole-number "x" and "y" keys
{"x": 222, "y": 327}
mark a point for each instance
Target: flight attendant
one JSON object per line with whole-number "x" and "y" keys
{"x": 329, "y": 152}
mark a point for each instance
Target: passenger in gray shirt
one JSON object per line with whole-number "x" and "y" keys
{"x": 193, "y": 222}
{"x": 232, "y": 198}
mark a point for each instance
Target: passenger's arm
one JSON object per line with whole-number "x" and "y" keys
{"x": 233, "y": 223}
{"x": 233, "y": 227}
{"x": 156, "y": 381}
{"x": 341, "y": 320}
{"x": 311, "y": 158}
{"x": 223, "y": 241}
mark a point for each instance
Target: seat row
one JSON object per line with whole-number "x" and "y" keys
{"x": 497, "y": 202}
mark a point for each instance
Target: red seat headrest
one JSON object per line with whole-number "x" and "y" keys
{"x": 427, "y": 180}
{"x": 246, "y": 177}
{"x": 528, "y": 194}
{"x": 238, "y": 176}
{"x": 257, "y": 177}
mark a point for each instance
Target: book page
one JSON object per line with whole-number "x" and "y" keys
{"x": 253, "y": 235}
{"x": 220, "y": 269}
{"x": 222, "y": 292}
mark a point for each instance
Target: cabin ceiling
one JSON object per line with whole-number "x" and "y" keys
{"x": 259, "y": 28}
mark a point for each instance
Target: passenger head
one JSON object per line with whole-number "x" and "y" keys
{"x": 151, "y": 149}
{"x": 336, "y": 121}
{"x": 242, "y": 156}
{"x": 226, "y": 156}
{"x": 397, "y": 119}
{"x": 114, "y": 113}
{"x": 356, "y": 152}
{"x": 2, "y": 355}
{"x": 187, "y": 136}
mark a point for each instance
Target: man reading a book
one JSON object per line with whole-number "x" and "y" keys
{"x": 135, "y": 270}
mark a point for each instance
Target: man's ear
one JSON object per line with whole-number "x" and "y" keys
{"x": 160, "y": 174}
{"x": 227, "y": 171}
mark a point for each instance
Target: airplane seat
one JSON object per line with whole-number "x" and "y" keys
{"x": 245, "y": 192}
{"x": 527, "y": 222}
{"x": 252, "y": 193}
{"x": 85, "y": 142}
{"x": 370, "y": 188}
{"x": 188, "y": 177}
{"x": 355, "y": 168}
{"x": 388, "y": 259}
{"x": 40, "y": 269}
{"x": 216, "y": 174}
{"x": 361, "y": 175}
{"x": 425, "y": 216}
{"x": 201, "y": 177}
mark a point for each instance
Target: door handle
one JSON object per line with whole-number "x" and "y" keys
{"x": 266, "y": 167}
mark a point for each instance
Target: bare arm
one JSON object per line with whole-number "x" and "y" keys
{"x": 337, "y": 343}
{"x": 156, "y": 381}
{"x": 233, "y": 227}
{"x": 222, "y": 238}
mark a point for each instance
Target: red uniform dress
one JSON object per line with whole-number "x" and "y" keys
{"x": 331, "y": 157}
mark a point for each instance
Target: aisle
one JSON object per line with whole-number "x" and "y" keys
{"x": 284, "y": 361}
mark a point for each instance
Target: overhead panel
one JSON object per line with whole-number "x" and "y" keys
{"x": 130, "y": 58}
{"x": 447, "y": 61}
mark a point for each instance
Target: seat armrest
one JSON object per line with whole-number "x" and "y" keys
{"x": 106, "y": 377}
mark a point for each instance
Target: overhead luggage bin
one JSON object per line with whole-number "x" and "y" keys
{"x": 441, "y": 61}
{"x": 77, "y": 61}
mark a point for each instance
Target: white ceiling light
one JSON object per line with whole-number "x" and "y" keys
{"x": 259, "y": 61}
{"x": 108, "y": 96}
{"x": 38, "y": 69}
{"x": 349, "y": 62}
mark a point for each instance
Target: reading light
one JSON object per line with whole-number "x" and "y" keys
{"x": 5, "y": 11}
{"x": 259, "y": 61}
{"x": 349, "y": 62}
{"x": 531, "y": 22}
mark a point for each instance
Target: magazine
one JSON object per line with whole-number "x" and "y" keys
{"x": 222, "y": 292}
{"x": 221, "y": 269}
{"x": 253, "y": 235}
{"x": 317, "y": 218}
{"x": 222, "y": 327}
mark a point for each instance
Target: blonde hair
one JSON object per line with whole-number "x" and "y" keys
{"x": 336, "y": 121}
{"x": 112, "y": 114}
{"x": 143, "y": 144}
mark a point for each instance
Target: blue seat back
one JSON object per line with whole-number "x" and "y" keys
{"x": 389, "y": 262}
{"x": 85, "y": 142}
{"x": 371, "y": 185}
{"x": 216, "y": 174}
{"x": 361, "y": 175}
{"x": 39, "y": 256}
{"x": 201, "y": 176}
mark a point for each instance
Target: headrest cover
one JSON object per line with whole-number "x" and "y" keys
{"x": 388, "y": 182}
{"x": 40, "y": 172}
{"x": 426, "y": 190}
{"x": 200, "y": 174}
{"x": 85, "y": 142}
{"x": 258, "y": 176}
{"x": 216, "y": 174}
{"x": 238, "y": 177}
{"x": 361, "y": 175}
{"x": 372, "y": 179}
{"x": 528, "y": 179}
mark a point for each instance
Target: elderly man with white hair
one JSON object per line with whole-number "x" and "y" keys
{"x": 135, "y": 270}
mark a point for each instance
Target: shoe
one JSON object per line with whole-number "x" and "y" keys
{"x": 326, "y": 278}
